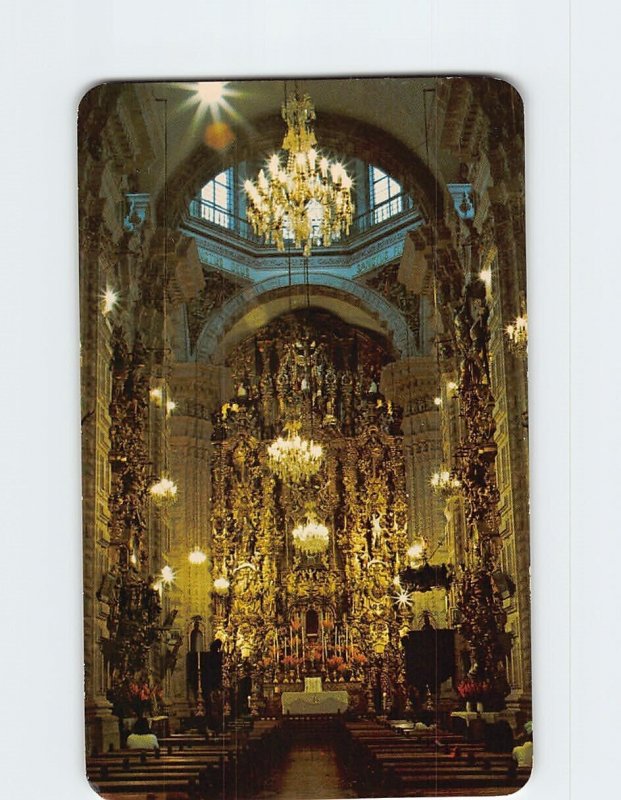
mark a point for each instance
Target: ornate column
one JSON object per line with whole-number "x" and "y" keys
{"x": 483, "y": 618}
{"x": 509, "y": 384}
{"x": 412, "y": 383}
{"x": 197, "y": 390}
{"x": 101, "y": 725}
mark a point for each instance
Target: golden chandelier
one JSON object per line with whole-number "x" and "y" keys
{"x": 294, "y": 458}
{"x": 309, "y": 199}
{"x": 443, "y": 483}
{"x": 517, "y": 332}
{"x": 164, "y": 491}
{"x": 311, "y": 537}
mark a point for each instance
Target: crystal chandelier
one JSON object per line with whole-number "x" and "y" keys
{"x": 294, "y": 458}
{"x": 308, "y": 199}
{"x": 442, "y": 483}
{"x": 197, "y": 556}
{"x": 417, "y": 551}
{"x": 221, "y": 586}
{"x": 517, "y": 333}
{"x": 311, "y": 537}
{"x": 164, "y": 491}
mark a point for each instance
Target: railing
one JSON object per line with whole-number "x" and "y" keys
{"x": 390, "y": 210}
{"x": 215, "y": 215}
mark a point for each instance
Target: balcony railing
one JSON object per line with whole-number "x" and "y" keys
{"x": 393, "y": 210}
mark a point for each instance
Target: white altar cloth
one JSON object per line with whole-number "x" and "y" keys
{"x": 314, "y": 702}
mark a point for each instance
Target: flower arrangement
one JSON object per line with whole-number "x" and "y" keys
{"x": 473, "y": 690}
{"x": 334, "y": 662}
{"x": 290, "y": 661}
{"x": 342, "y": 668}
{"x": 314, "y": 655}
{"x": 135, "y": 697}
{"x": 359, "y": 659}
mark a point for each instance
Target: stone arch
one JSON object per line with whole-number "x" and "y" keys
{"x": 258, "y": 304}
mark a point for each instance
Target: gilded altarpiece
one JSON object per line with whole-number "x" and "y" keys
{"x": 281, "y": 613}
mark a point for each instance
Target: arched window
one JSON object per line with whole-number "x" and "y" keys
{"x": 385, "y": 195}
{"x": 217, "y": 199}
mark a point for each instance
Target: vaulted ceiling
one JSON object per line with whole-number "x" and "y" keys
{"x": 387, "y": 116}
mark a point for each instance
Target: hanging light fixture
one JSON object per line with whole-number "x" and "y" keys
{"x": 197, "y": 556}
{"x": 293, "y": 458}
{"x": 164, "y": 491}
{"x": 311, "y": 537}
{"x": 443, "y": 483}
{"x": 308, "y": 199}
{"x": 517, "y": 333}
{"x": 167, "y": 575}
{"x": 417, "y": 551}
{"x": 221, "y": 586}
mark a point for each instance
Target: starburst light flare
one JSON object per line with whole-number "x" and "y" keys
{"x": 403, "y": 599}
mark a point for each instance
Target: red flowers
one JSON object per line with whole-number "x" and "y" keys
{"x": 137, "y": 697}
{"x": 471, "y": 689}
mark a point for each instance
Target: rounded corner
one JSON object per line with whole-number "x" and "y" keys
{"x": 89, "y": 93}
{"x": 515, "y": 91}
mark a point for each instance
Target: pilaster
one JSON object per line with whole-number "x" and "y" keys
{"x": 197, "y": 390}
{"x": 412, "y": 383}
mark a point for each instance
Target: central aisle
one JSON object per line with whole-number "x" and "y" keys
{"x": 310, "y": 772}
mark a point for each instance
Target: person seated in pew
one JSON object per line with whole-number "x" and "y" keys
{"x": 523, "y": 754}
{"x": 141, "y": 738}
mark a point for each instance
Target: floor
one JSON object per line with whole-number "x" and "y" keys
{"x": 311, "y": 772}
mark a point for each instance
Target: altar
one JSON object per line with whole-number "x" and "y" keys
{"x": 313, "y": 700}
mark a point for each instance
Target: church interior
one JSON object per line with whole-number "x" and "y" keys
{"x": 305, "y": 438}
